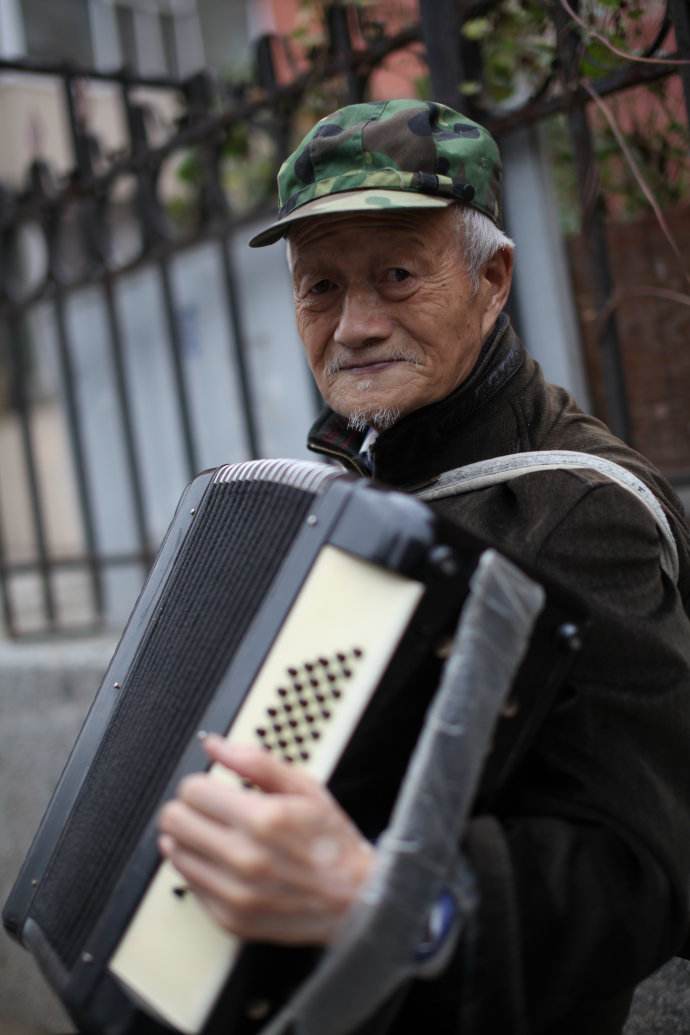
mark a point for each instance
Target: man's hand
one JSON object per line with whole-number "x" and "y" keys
{"x": 282, "y": 866}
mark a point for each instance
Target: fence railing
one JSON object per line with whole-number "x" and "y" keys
{"x": 70, "y": 221}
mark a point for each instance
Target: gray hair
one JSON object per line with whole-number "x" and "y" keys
{"x": 479, "y": 240}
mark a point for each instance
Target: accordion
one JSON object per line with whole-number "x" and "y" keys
{"x": 292, "y": 606}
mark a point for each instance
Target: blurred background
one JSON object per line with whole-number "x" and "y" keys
{"x": 142, "y": 341}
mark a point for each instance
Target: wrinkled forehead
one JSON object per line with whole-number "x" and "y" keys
{"x": 360, "y": 231}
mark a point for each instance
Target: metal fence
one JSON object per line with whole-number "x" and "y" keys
{"x": 72, "y": 218}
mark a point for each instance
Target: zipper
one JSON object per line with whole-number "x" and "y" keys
{"x": 349, "y": 460}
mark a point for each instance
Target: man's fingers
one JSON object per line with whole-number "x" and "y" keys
{"x": 277, "y": 819}
{"x": 276, "y": 912}
{"x": 257, "y": 765}
{"x": 227, "y": 846}
{"x": 203, "y": 875}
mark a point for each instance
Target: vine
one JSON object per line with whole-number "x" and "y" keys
{"x": 641, "y": 148}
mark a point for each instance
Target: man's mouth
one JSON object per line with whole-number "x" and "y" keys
{"x": 370, "y": 366}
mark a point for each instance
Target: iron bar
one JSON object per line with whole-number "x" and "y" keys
{"x": 18, "y": 359}
{"x": 80, "y": 140}
{"x": 134, "y": 475}
{"x": 68, "y": 563}
{"x": 679, "y": 11}
{"x": 338, "y": 24}
{"x": 9, "y": 617}
{"x": 594, "y": 231}
{"x": 239, "y": 346}
{"x": 181, "y": 392}
{"x": 66, "y": 69}
{"x": 440, "y": 22}
{"x": 154, "y": 232}
{"x": 264, "y": 63}
{"x": 78, "y": 452}
{"x": 661, "y": 34}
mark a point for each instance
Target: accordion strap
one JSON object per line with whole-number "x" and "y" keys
{"x": 504, "y": 468}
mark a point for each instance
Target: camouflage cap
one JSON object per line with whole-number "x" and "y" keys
{"x": 387, "y": 154}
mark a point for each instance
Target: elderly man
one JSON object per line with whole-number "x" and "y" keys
{"x": 401, "y": 273}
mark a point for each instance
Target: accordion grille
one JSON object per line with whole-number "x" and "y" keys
{"x": 222, "y": 572}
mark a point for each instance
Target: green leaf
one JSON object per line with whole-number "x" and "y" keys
{"x": 422, "y": 87}
{"x": 476, "y": 28}
{"x": 470, "y": 88}
{"x": 189, "y": 169}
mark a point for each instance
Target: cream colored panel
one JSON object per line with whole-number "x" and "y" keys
{"x": 304, "y": 705}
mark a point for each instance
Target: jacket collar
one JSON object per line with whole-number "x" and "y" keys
{"x": 416, "y": 449}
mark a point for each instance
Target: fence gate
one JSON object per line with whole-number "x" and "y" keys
{"x": 108, "y": 285}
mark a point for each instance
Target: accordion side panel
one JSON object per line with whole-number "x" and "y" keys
{"x": 303, "y": 706}
{"x": 222, "y": 572}
{"x": 18, "y": 906}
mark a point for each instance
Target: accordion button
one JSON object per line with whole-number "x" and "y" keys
{"x": 258, "y": 1009}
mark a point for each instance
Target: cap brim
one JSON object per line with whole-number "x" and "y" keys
{"x": 366, "y": 200}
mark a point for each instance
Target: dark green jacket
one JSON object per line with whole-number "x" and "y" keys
{"x": 584, "y": 860}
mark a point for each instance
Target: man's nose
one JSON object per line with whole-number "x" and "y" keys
{"x": 363, "y": 320}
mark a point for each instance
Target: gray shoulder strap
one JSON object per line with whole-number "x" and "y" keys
{"x": 504, "y": 468}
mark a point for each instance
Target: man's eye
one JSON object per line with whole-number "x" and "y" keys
{"x": 320, "y": 287}
{"x": 397, "y": 274}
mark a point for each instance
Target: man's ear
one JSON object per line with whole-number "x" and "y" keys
{"x": 494, "y": 286}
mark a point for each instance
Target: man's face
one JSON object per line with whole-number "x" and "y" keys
{"x": 386, "y": 310}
